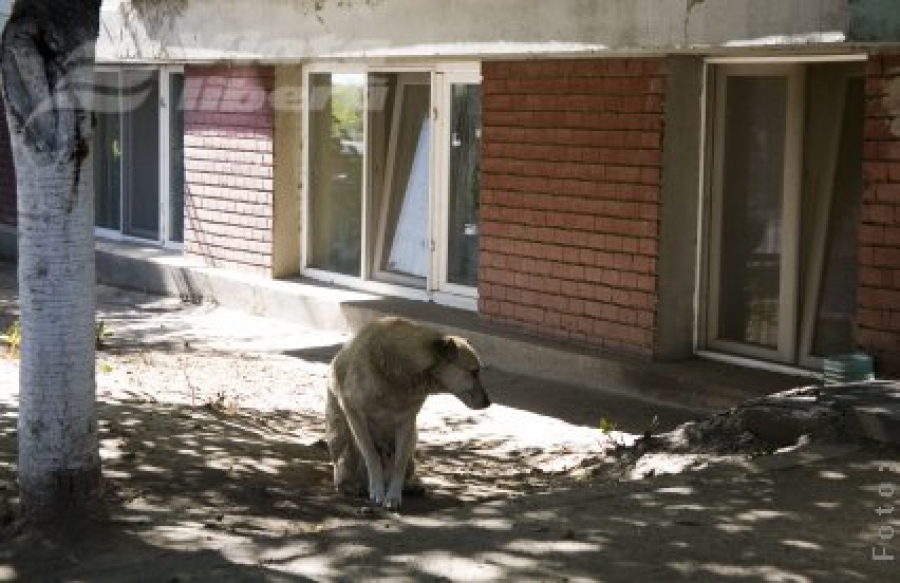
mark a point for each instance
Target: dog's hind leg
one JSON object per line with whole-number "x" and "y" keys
{"x": 349, "y": 469}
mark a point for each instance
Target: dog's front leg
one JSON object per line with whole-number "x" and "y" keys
{"x": 405, "y": 442}
{"x": 366, "y": 447}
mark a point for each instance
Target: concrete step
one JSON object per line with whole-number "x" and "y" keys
{"x": 696, "y": 384}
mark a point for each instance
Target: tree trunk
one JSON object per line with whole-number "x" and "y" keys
{"x": 47, "y": 65}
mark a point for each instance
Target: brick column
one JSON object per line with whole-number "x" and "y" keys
{"x": 878, "y": 315}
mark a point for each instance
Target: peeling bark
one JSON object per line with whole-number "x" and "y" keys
{"x": 47, "y": 66}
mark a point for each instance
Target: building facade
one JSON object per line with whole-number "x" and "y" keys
{"x": 651, "y": 178}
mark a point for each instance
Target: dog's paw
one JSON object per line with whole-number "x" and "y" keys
{"x": 394, "y": 495}
{"x": 376, "y": 492}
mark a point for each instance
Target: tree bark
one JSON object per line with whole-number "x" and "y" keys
{"x": 47, "y": 65}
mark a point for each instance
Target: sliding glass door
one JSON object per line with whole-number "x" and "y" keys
{"x": 335, "y": 162}
{"x": 392, "y": 194}
{"x": 785, "y": 168}
{"x": 140, "y": 142}
{"x": 460, "y": 228}
{"x": 400, "y": 159}
{"x": 139, "y": 154}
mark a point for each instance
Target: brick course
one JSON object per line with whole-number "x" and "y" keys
{"x": 228, "y": 166}
{"x": 570, "y": 199}
{"x": 878, "y": 316}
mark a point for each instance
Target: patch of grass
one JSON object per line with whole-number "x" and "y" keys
{"x": 13, "y": 338}
{"x": 101, "y": 334}
{"x": 607, "y": 426}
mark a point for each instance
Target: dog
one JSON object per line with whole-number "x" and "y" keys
{"x": 379, "y": 381}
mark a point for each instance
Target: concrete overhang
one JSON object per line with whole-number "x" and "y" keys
{"x": 303, "y": 30}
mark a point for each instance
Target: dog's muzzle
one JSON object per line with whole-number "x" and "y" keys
{"x": 475, "y": 397}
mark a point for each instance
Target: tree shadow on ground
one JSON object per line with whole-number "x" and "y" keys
{"x": 200, "y": 493}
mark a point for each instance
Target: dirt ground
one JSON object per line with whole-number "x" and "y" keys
{"x": 207, "y": 423}
{"x": 213, "y": 456}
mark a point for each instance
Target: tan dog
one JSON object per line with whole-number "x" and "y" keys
{"x": 379, "y": 382}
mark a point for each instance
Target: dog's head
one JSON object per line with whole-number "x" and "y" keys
{"x": 457, "y": 371}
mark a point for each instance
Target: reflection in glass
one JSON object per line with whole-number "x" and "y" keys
{"x": 176, "y": 157}
{"x": 751, "y": 229}
{"x": 107, "y": 152}
{"x": 400, "y": 153}
{"x": 140, "y": 137}
{"x": 465, "y": 156}
{"x": 837, "y": 301}
{"x": 336, "y": 153}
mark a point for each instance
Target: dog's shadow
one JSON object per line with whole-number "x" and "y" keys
{"x": 321, "y": 354}
{"x": 413, "y": 505}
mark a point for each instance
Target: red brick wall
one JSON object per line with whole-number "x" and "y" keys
{"x": 7, "y": 175}
{"x": 228, "y": 166}
{"x": 879, "y": 253}
{"x": 570, "y": 199}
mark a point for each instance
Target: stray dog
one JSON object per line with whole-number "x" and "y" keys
{"x": 379, "y": 382}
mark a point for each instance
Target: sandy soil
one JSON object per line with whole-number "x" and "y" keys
{"x": 215, "y": 469}
{"x": 209, "y": 425}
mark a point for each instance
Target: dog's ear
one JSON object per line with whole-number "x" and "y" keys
{"x": 445, "y": 349}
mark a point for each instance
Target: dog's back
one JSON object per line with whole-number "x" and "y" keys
{"x": 382, "y": 365}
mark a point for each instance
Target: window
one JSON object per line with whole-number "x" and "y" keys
{"x": 785, "y": 187}
{"x": 392, "y": 189}
{"x": 139, "y": 154}
{"x": 463, "y": 183}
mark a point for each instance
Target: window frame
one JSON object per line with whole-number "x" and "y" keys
{"x": 785, "y": 349}
{"x": 808, "y": 276}
{"x": 164, "y": 73}
{"x": 436, "y": 289}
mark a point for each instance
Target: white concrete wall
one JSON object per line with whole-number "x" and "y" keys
{"x": 289, "y": 30}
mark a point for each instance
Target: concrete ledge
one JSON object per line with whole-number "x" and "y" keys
{"x": 694, "y": 384}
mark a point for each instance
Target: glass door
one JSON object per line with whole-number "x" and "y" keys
{"x": 400, "y": 157}
{"x": 755, "y": 204}
{"x": 172, "y": 162}
{"x": 831, "y": 202}
{"x": 335, "y": 161}
{"x": 107, "y": 152}
{"x": 460, "y": 183}
{"x": 141, "y": 139}
{"x": 392, "y": 190}
{"x": 139, "y": 154}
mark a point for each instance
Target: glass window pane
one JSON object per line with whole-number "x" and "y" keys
{"x": 465, "y": 157}
{"x": 140, "y": 130}
{"x": 107, "y": 152}
{"x": 335, "y": 157}
{"x": 751, "y": 228}
{"x": 403, "y": 152}
{"x": 833, "y": 332}
{"x": 176, "y": 157}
